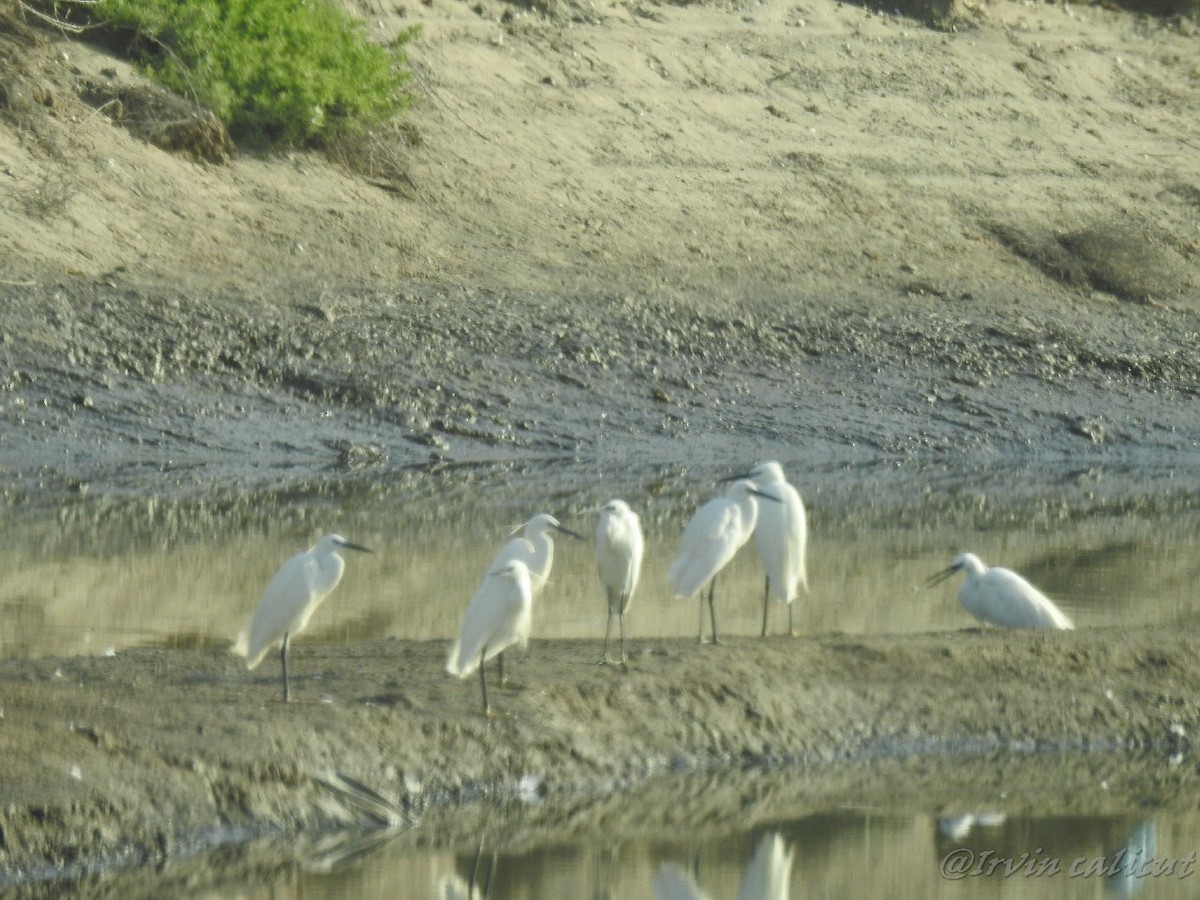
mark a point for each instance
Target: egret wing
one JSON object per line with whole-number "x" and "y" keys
{"x": 710, "y": 540}
{"x": 1010, "y": 601}
{"x": 497, "y": 617}
{"x": 284, "y": 606}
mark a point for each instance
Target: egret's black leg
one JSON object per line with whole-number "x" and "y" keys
{"x": 607, "y": 633}
{"x": 712, "y": 608}
{"x": 766, "y": 601}
{"x": 287, "y": 688}
{"x": 624, "y": 658}
{"x": 487, "y": 708}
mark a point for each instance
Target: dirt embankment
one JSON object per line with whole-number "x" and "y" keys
{"x": 152, "y": 753}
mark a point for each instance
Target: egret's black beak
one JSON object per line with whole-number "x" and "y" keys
{"x": 747, "y": 476}
{"x": 346, "y": 545}
{"x": 578, "y": 537}
{"x": 757, "y": 493}
{"x": 941, "y": 576}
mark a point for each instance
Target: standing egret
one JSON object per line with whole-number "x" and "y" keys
{"x": 619, "y": 546}
{"x": 780, "y": 537}
{"x": 535, "y": 548}
{"x": 715, "y": 533}
{"x": 291, "y": 598}
{"x": 498, "y": 616}
{"x": 1002, "y": 597}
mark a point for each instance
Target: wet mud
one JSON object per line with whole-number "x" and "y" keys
{"x": 151, "y": 754}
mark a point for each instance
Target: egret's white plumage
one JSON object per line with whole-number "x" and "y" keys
{"x": 1002, "y": 597}
{"x": 781, "y": 538}
{"x": 498, "y": 616}
{"x": 534, "y": 547}
{"x": 711, "y": 539}
{"x": 619, "y": 546}
{"x": 767, "y": 877}
{"x": 291, "y": 597}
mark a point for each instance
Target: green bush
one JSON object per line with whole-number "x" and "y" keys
{"x": 275, "y": 71}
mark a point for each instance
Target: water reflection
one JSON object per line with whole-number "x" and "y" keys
{"x": 99, "y": 574}
{"x": 837, "y": 854}
{"x": 768, "y": 876}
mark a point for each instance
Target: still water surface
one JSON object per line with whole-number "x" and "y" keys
{"x": 848, "y": 853}
{"x": 841, "y": 854}
{"x": 96, "y": 576}
{"x": 99, "y": 575}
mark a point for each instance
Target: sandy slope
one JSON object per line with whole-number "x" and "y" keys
{"x": 708, "y": 151}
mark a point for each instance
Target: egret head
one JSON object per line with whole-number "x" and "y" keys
{"x": 767, "y": 472}
{"x": 739, "y": 490}
{"x": 613, "y": 508}
{"x": 968, "y": 562}
{"x": 332, "y": 543}
{"x": 543, "y": 522}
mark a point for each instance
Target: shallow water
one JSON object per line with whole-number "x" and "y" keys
{"x": 844, "y": 853}
{"x": 94, "y": 576}
{"x": 847, "y": 852}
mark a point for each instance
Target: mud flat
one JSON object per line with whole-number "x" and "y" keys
{"x": 151, "y": 753}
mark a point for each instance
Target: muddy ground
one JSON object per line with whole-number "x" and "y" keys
{"x": 629, "y": 239}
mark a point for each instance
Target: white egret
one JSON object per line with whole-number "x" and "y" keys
{"x": 619, "y": 545}
{"x": 498, "y": 616}
{"x": 535, "y": 548}
{"x": 767, "y": 877}
{"x": 1002, "y": 597}
{"x": 291, "y": 598}
{"x": 711, "y": 539}
{"x": 781, "y": 538}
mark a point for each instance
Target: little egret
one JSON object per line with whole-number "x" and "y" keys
{"x": 711, "y": 539}
{"x": 498, "y": 616}
{"x": 781, "y": 538}
{"x": 291, "y": 598}
{"x": 535, "y": 548}
{"x": 619, "y": 546}
{"x": 1002, "y": 597}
